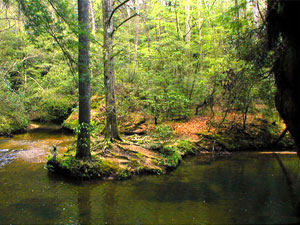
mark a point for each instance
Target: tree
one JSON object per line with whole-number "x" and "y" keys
{"x": 283, "y": 22}
{"x": 83, "y": 139}
{"x": 111, "y": 127}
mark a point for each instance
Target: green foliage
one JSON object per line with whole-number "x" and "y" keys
{"x": 12, "y": 110}
{"x": 166, "y": 104}
{"x": 167, "y": 62}
{"x": 163, "y": 132}
{"x": 124, "y": 174}
{"x": 185, "y": 146}
{"x": 171, "y": 156}
{"x": 72, "y": 122}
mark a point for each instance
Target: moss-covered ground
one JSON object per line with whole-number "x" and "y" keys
{"x": 121, "y": 160}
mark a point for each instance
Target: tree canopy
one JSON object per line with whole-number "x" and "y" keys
{"x": 171, "y": 59}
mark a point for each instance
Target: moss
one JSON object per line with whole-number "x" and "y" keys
{"x": 69, "y": 166}
{"x": 149, "y": 170}
{"x": 124, "y": 174}
{"x": 70, "y": 123}
{"x": 134, "y": 163}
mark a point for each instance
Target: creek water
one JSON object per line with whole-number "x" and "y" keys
{"x": 243, "y": 188}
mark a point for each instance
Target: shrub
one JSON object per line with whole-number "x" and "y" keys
{"x": 163, "y": 132}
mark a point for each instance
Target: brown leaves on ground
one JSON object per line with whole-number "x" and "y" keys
{"x": 192, "y": 127}
{"x": 206, "y": 124}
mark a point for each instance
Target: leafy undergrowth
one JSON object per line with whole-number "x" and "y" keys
{"x": 121, "y": 160}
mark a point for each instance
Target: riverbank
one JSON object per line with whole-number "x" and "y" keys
{"x": 157, "y": 150}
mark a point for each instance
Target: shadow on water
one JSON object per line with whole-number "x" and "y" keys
{"x": 42, "y": 209}
{"x": 176, "y": 191}
{"x": 290, "y": 186}
{"x": 45, "y": 208}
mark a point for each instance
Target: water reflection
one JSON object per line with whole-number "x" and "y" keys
{"x": 243, "y": 189}
{"x": 177, "y": 191}
{"x": 84, "y": 205}
{"x": 290, "y": 186}
{"x": 41, "y": 208}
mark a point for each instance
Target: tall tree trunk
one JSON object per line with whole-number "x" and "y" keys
{"x": 93, "y": 20}
{"x": 83, "y": 140}
{"x": 111, "y": 129}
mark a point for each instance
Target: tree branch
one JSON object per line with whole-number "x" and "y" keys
{"x": 9, "y": 18}
{"x": 191, "y": 27}
{"x": 281, "y": 136}
{"x": 115, "y": 9}
{"x": 260, "y": 13}
{"x": 59, "y": 14}
{"x": 129, "y": 18}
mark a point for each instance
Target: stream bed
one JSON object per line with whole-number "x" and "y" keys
{"x": 242, "y": 188}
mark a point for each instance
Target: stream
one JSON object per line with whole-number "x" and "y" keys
{"x": 243, "y": 188}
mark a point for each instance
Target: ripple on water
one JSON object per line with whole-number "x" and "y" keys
{"x": 6, "y": 156}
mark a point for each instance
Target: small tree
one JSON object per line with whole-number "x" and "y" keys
{"x": 111, "y": 128}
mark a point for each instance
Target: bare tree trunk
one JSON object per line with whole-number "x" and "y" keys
{"x": 200, "y": 20}
{"x": 188, "y": 22}
{"x": 83, "y": 140}
{"x": 177, "y": 21}
{"x": 111, "y": 129}
{"x": 136, "y": 39}
{"x": 93, "y": 20}
{"x": 255, "y": 13}
{"x": 145, "y": 19}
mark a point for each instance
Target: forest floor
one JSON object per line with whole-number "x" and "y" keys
{"x": 147, "y": 148}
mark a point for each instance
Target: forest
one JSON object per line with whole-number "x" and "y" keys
{"x": 112, "y": 89}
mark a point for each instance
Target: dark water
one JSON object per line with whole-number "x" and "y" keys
{"x": 244, "y": 188}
